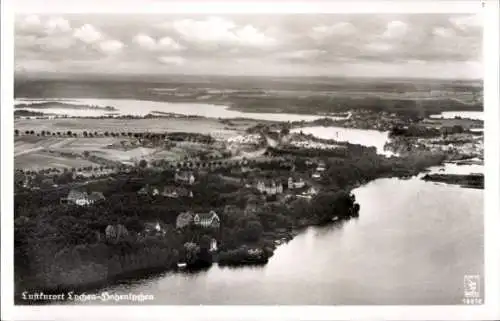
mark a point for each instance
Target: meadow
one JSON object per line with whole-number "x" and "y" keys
{"x": 34, "y": 151}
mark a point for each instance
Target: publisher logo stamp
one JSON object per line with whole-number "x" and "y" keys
{"x": 472, "y": 289}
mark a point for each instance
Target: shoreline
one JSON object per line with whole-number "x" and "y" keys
{"x": 233, "y": 104}
{"x": 321, "y": 121}
{"x": 300, "y": 224}
{"x": 332, "y": 117}
{"x": 463, "y": 180}
{"x": 151, "y": 272}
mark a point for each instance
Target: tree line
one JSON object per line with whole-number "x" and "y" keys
{"x": 174, "y": 136}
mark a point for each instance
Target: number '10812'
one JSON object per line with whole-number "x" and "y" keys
{"x": 472, "y": 301}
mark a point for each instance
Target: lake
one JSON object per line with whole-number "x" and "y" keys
{"x": 364, "y": 137}
{"x": 143, "y": 107}
{"x": 463, "y": 114}
{"x": 412, "y": 244}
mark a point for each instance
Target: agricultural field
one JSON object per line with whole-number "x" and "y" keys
{"x": 32, "y": 152}
{"x": 193, "y": 125}
{"x": 28, "y": 144}
{"x": 128, "y": 157}
{"x": 42, "y": 160}
{"x": 37, "y": 152}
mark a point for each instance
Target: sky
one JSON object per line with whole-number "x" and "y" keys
{"x": 350, "y": 45}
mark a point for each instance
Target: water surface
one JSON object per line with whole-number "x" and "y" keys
{"x": 412, "y": 244}
{"x": 144, "y": 107}
{"x": 366, "y": 137}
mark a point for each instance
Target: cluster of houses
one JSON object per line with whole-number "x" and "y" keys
{"x": 269, "y": 186}
{"x": 184, "y": 179}
{"x": 469, "y": 146}
{"x": 166, "y": 191}
{"x": 313, "y": 145}
{"x": 320, "y": 169}
{"x": 205, "y": 220}
{"x": 245, "y": 139}
{"x": 275, "y": 187}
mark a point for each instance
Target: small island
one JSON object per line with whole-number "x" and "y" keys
{"x": 468, "y": 181}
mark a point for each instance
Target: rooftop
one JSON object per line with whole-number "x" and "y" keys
{"x": 75, "y": 194}
{"x": 206, "y": 216}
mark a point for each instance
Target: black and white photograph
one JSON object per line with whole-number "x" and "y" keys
{"x": 243, "y": 159}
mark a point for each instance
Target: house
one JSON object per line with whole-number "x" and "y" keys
{"x": 82, "y": 198}
{"x": 316, "y": 175}
{"x": 176, "y": 192}
{"x": 311, "y": 191}
{"x": 255, "y": 252}
{"x": 169, "y": 191}
{"x": 184, "y": 177}
{"x": 148, "y": 190}
{"x": 77, "y": 198}
{"x": 153, "y": 228}
{"x": 269, "y": 187}
{"x": 144, "y": 190}
{"x": 295, "y": 184}
{"x": 321, "y": 167}
{"x": 184, "y": 219}
{"x": 210, "y": 219}
{"x": 115, "y": 232}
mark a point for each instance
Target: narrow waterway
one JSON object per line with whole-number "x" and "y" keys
{"x": 412, "y": 244}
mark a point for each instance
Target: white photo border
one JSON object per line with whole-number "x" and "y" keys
{"x": 489, "y": 311}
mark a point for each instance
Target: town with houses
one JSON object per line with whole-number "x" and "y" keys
{"x": 314, "y": 159}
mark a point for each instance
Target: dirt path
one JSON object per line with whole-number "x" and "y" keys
{"x": 27, "y": 151}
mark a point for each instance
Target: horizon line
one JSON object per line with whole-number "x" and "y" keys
{"x": 135, "y": 76}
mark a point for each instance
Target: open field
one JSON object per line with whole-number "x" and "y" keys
{"x": 28, "y": 144}
{"x": 36, "y": 152}
{"x": 33, "y": 152}
{"x": 194, "y": 125}
{"x": 130, "y": 156}
{"x": 42, "y": 159}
